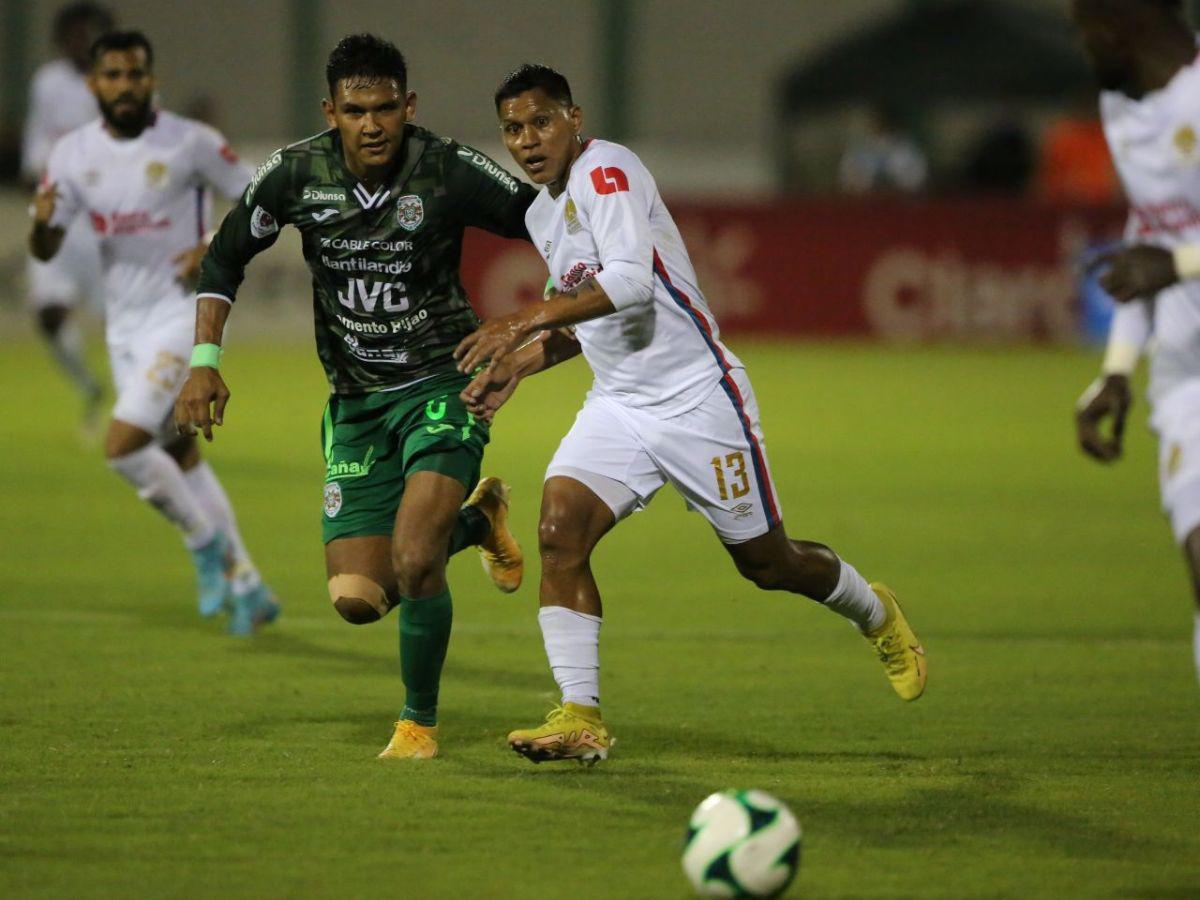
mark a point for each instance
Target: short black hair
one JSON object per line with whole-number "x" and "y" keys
{"x": 121, "y": 40}
{"x": 368, "y": 57}
{"x": 531, "y": 76}
{"x": 82, "y": 13}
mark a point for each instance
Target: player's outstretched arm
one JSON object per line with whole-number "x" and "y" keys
{"x": 44, "y": 238}
{"x": 201, "y": 403}
{"x": 497, "y": 338}
{"x": 495, "y": 383}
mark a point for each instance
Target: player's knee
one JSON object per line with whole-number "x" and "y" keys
{"x": 358, "y": 599}
{"x": 560, "y": 544}
{"x": 417, "y": 569}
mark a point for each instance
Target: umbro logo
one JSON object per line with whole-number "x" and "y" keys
{"x": 324, "y": 214}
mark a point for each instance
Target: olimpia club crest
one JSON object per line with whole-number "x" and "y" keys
{"x": 410, "y": 212}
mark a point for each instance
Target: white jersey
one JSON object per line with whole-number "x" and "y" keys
{"x": 147, "y": 202}
{"x": 660, "y": 352}
{"x": 59, "y": 102}
{"x": 1155, "y": 143}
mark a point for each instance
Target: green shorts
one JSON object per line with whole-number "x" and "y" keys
{"x": 373, "y": 442}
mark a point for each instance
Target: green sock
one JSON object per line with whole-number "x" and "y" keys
{"x": 424, "y": 636}
{"x": 470, "y": 528}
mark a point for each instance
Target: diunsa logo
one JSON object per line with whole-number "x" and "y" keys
{"x": 320, "y": 194}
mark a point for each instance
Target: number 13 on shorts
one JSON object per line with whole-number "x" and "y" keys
{"x": 738, "y": 483}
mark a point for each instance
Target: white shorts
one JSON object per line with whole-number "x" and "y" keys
{"x": 73, "y": 275}
{"x": 1176, "y": 419}
{"x": 714, "y": 455}
{"x": 148, "y": 371}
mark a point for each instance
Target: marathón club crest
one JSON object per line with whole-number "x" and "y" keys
{"x": 410, "y": 212}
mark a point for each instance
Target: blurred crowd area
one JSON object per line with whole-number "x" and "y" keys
{"x": 781, "y": 97}
{"x": 792, "y": 138}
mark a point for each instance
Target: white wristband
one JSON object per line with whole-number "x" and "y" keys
{"x": 1187, "y": 261}
{"x": 1120, "y": 358}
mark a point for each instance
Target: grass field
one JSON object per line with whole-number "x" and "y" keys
{"x": 1055, "y": 754}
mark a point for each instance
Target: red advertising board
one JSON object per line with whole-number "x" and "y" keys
{"x": 901, "y": 270}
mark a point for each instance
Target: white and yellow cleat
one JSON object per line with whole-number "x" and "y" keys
{"x": 897, "y": 647}
{"x": 411, "y": 741}
{"x": 499, "y": 551}
{"x": 571, "y": 731}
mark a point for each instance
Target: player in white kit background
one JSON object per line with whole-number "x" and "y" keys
{"x": 140, "y": 176}
{"x": 1145, "y": 58}
{"x": 669, "y": 404}
{"x": 60, "y": 101}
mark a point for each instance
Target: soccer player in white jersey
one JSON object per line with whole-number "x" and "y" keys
{"x": 1145, "y": 59}
{"x": 669, "y": 404}
{"x": 140, "y": 176}
{"x": 60, "y": 101}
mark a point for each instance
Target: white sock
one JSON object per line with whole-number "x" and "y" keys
{"x": 67, "y": 346}
{"x": 573, "y": 647}
{"x": 206, "y": 488}
{"x": 1196, "y": 644}
{"x": 160, "y": 483}
{"x": 854, "y": 599}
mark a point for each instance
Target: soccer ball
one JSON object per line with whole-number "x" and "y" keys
{"x": 741, "y": 844}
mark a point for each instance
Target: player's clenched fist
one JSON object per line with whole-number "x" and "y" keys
{"x": 201, "y": 403}
{"x": 1138, "y": 272}
{"x": 44, "y": 201}
{"x": 1108, "y": 398}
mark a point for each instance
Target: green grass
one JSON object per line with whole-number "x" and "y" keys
{"x": 1056, "y": 753}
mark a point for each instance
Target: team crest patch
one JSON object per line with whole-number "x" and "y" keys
{"x": 572, "y": 216}
{"x": 262, "y": 223}
{"x": 333, "y": 499}
{"x": 410, "y": 212}
{"x": 1185, "y": 140}
{"x": 156, "y": 173}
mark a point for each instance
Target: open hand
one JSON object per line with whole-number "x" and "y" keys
{"x": 493, "y": 340}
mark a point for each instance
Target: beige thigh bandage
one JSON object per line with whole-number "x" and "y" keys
{"x": 359, "y": 587}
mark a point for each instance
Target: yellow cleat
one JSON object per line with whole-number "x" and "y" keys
{"x": 571, "y": 731}
{"x": 500, "y": 553}
{"x": 411, "y": 741}
{"x": 898, "y": 648}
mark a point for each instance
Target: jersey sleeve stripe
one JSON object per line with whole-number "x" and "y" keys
{"x": 761, "y": 474}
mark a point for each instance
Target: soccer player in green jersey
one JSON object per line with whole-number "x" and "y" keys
{"x": 381, "y": 206}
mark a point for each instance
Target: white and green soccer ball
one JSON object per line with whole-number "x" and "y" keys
{"x": 741, "y": 844}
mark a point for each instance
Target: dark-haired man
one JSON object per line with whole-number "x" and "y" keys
{"x": 1144, "y": 56}
{"x": 60, "y": 101}
{"x": 669, "y": 404}
{"x": 140, "y": 177}
{"x": 381, "y": 206}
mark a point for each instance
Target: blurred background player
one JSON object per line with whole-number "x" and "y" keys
{"x": 381, "y": 206}
{"x": 1145, "y": 59}
{"x": 60, "y": 101}
{"x": 669, "y": 404}
{"x": 139, "y": 176}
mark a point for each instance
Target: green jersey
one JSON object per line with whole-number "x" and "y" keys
{"x": 388, "y": 303}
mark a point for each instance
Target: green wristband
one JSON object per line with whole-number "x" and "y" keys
{"x": 206, "y": 355}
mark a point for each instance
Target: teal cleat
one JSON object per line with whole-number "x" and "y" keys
{"x": 252, "y": 609}
{"x": 212, "y": 578}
